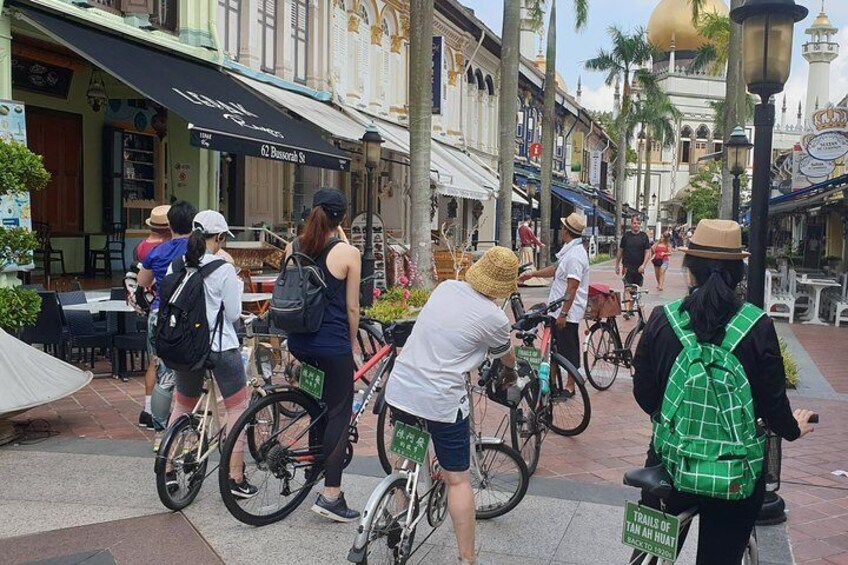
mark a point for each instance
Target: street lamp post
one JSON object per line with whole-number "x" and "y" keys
{"x": 767, "y": 30}
{"x": 738, "y": 151}
{"x": 371, "y": 149}
{"x": 595, "y": 215}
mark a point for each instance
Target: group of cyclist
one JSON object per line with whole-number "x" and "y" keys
{"x": 460, "y": 325}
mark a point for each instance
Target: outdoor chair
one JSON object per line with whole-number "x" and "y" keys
{"x": 777, "y": 297}
{"x": 112, "y": 251}
{"x": 48, "y": 330}
{"x": 44, "y": 253}
{"x": 126, "y": 345}
{"x": 83, "y": 333}
{"x": 803, "y": 299}
{"x": 836, "y": 301}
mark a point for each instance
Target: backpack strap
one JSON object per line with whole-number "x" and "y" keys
{"x": 679, "y": 321}
{"x": 204, "y": 272}
{"x": 740, "y": 326}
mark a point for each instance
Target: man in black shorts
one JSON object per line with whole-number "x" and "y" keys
{"x": 634, "y": 252}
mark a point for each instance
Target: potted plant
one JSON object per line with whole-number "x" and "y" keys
{"x": 21, "y": 171}
{"x": 399, "y": 303}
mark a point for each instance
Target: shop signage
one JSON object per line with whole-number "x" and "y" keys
{"x": 595, "y": 168}
{"x": 40, "y": 77}
{"x": 357, "y": 239}
{"x": 813, "y": 168}
{"x": 828, "y": 146}
{"x": 577, "y": 153}
{"x": 255, "y": 148}
{"x": 13, "y": 121}
{"x": 438, "y": 70}
{"x": 535, "y": 150}
{"x": 651, "y": 531}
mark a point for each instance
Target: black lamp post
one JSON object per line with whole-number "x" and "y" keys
{"x": 767, "y": 30}
{"x": 371, "y": 149}
{"x": 738, "y": 151}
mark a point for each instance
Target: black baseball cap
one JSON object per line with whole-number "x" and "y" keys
{"x": 332, "y": 200}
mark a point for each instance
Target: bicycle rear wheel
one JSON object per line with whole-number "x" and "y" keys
{"x": 288, "y": 461}
{"x": 387, "y": 543}
{"x": 599, "y": 357}
{"x": 524, "y": 426}
{"x": 568, "y": 414}
{"x": 179, "y": 474}
{"x": 499, "y": 478}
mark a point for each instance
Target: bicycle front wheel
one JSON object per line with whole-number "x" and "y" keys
{"x": 287, "y": 462}
{"x": 569, "y": 412}
{"x": 389, "y": 542}
{"x": 524, "y": 426}
{"x": 179, "y": 469}
{"x": 499, "y": 479}
{"x": 599, "y": 357}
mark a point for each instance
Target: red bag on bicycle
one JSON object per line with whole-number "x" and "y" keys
{"x": 603, "y": 302}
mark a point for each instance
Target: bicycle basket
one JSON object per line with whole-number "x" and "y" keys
{"x": 603, "y": 303}
{"x": 771, "y": 465}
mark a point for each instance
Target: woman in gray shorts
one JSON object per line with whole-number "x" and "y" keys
{"x": 223, "y": 291}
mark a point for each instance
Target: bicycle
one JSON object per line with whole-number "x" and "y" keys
{"x": 289, "y": 458}
{"x": 189, "y": 442}
{"x": 656, "y": 482}
{"x": 608, "y": 352}
{"x": 566, "y": 414}
{"x": 395, "y": 509}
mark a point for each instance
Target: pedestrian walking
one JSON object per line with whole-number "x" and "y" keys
{"x": 661, "y": 260}
{"x": 529, "y": 244}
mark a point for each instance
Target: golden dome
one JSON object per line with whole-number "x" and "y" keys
{"x": 823, "y": 22}
{"x": 673, "y": 18}
{"x": 540, "y": 64}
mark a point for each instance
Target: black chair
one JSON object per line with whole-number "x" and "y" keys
{"x": 125, "y": 344}
{"x": 83, "y": 333}
{"x": 48, "y": 330}
{"x": 44, "y": 253}
{"x": 112, "y": 251}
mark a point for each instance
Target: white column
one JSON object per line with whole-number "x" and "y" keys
{"x": 5, "y": 56}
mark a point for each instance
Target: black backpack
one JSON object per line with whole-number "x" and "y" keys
{"x": 299, "y": 298}
{"x": 183, "y": 336}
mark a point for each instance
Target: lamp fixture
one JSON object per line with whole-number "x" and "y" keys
{"x": 96, "y": 93}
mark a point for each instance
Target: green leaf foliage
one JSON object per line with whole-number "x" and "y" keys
{"x": 21, "y": 170}
{"x": 19, "y": 308}
{"x": 16, "y": 246}
{"x": 705, "y": 193}
{"x": 790, "y": 366}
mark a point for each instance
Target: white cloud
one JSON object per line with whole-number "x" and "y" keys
{"x": 600, "y": 99}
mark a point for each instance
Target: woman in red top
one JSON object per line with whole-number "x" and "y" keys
{"x": 661, "y": 259}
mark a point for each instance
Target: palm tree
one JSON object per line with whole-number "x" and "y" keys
{"x": 420, "y": 119}
{"x": 725, "y": 45}
{"x": 507, "y": 115}
{"x": 660, "y": 118}
{"x": 624, "y": 62}
{"x": 581, "y": 8}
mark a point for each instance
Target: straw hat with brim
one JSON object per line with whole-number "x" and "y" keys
{"x": 496, "y": 274}
{"x": 575, "y": 223}
{"x": 159, "y": 217}
{"x": 717, "y": 239}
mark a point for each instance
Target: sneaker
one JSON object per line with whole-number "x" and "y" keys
{"x": 145, "y": 420}
{"x": 336, "y": 510}
{"x": 171, "y": 483}
{"x": 243, "y": 489}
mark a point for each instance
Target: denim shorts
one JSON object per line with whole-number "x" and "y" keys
{"x": 451, "y": 442}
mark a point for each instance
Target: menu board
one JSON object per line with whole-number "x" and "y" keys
{"x": 357, "y": 239}
{"x": 13, "y": 121}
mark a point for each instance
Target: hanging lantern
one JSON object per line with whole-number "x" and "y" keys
{"x": 96, "y": 93}
{"x": 160, "y": 122}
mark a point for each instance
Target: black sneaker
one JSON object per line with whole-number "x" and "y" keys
{"x": 336, "y": 510}
{"x": 243, "y": 489}
{"x": 145, "y": 420}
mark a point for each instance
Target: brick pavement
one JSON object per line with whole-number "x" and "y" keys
{"x": 614, "y": 442}
{"x": 828, "y": 347}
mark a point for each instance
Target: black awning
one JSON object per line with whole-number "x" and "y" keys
{"x": 222, "y": 114}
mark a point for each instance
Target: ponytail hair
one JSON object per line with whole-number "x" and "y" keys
{"x": 196, "y": 248}
{"x": 319, "y": 226}
{"x": 713, "y": 302}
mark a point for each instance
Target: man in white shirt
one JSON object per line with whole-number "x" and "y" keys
{"x": 459, "y": 326}
{"x": 571, "y": 278}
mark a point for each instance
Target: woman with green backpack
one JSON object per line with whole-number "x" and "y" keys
{"x": 706, "y": 369}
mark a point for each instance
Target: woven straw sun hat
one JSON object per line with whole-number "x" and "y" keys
{"x": 496, "y": 273}
{"x": 575, "y": 223}
{"x": 717, "y": 239}
{"x": 159, "y": 217}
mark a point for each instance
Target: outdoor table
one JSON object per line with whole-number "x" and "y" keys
{"x": 818, "y": 285}
{"x": 256, "y": 296}
{"x": 260, "y": 281}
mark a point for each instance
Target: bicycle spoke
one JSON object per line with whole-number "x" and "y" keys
{"x": 388, "y": 535}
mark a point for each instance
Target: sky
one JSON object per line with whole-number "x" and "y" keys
{"x": 576, "y": 47}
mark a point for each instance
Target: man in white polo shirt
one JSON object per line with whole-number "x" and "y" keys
{"x": 571, "y": 278}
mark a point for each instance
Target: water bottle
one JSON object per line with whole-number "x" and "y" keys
{"x": 358, "y": 399}
{"x": 545, "y": 378}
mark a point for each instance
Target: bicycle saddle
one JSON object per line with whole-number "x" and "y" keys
{"x": 398, "y": 333}
{"x": 653, "y": 480}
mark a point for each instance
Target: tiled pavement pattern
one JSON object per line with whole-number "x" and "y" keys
{"x": 614, "y": 442}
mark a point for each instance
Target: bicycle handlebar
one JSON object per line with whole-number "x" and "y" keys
{"x": 537, "y": 313}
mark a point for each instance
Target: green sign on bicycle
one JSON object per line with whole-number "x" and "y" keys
{"x": 312, "y": 381}
{"x": 651, "y": 531}
{"x": 410, "y": 443}
{"x": 529, "y": 354}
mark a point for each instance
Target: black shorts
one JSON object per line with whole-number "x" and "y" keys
{"x": 633, "y": 276}
{"x": 568, "y": 343}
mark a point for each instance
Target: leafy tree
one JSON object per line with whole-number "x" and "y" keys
{"x": 608, "y": 122}
{"x": 704, "y": 196}
{"x": 659, "y": 116}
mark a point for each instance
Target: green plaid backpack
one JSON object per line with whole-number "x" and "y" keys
{"x": 706, "y": 433}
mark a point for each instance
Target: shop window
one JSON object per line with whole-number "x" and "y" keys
{"x": 164, "y": 14}
{"x": 229, "y": 12}
{"x": 108, "y": 5}
{"x": 268, "y": 32}
{"x": 300, "y": 39}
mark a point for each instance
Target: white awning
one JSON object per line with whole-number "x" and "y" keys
{"x": 322, "y": 114}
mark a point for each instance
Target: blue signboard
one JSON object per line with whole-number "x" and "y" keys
{"x": 438, "y": 66}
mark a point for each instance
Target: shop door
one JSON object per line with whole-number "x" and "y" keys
{"x": 60, "y": 204}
